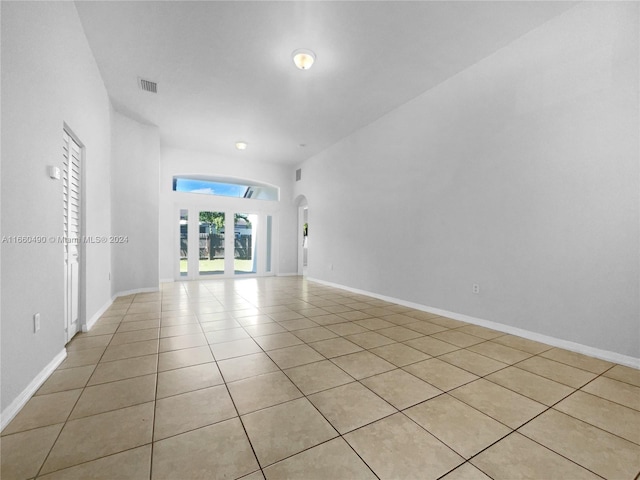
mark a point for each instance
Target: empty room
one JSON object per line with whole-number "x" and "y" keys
{"x": 320, "y": 240}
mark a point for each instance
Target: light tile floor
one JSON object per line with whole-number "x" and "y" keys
{"x": 283, "y": 378}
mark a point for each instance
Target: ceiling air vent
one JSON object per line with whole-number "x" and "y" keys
{"x": 148, "y": 85}
{"x": 298, "y": 175}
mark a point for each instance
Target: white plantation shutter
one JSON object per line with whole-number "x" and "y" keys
{"x": 71, "y": 193}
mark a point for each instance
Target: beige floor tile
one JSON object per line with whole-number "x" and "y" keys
{"x": 100, "y": 435}
{"x": 286, "y": 429}
{"x": 616, "y": 391}
{"x": 66, "y": 379}
{"x": 257, "y": 475}
{"x": 294, "y": 356}
{"x": 461, "y": 427}
{"x": 247, "y": 366}
{"x": 374, "y": 323}
{"x": 331, "y": 460}
{"x": 82, "y": 358}
{"x": 559, "y": 372}
{"x": 22, "y": 454}
{"x": 43, "y": 410}
{"x": 327, "y": 320}
{"x": 458, "y": 338}
{"x": 482, "y": 332}
{"x": 178, "y": 330}
{"x": 173, "y": 319}
{"x": 318, "y": 376}
{"x": 188, "y": 411}
{"x": 285, "y": 315}
{"x": 184, "y": 358}
{"x": 399, "y": 354}
{"x": 346, "y": 328}
{"x": 369, "y": 339}
{"x": 473, "y": 362}
{"x": 264, "y": 329}
{"x": 130, "y": 350}
{"x": 215, "y": 325}
{"x": 523, "y": 344}
{"x": 440, "y": 374}
{"x": 141, "y": 317}
{"x": 362, "y": 364}
{"x": 399, "y": 333}
{"x": 624, "y": 374}
{"x": 312, "y": 312}
{"x": 263, "y": 391}
{"x": 129, "y": 465}
{"x": 420, "y": 315}
{"x": 378, "y": 311}
{"x": 400, "y": 389}
{"x": 228, "y": 335}
{"x": 315, "y": 334}
{"x": 100, "y": 328}
{"x": 188, "y": 379}
{"x": 334, "y": 347}
{"x": 351, "y": 406}
{"x": 183, "y": 341}
{"x": 431, "y": 346}
{"x": 447, "y": 322}
{"x": 236, "y": 348}
{"x": 85, "y": 343}
{"x": 123, "y": 369}
{"x": 189, "y": 455}
{"x": 590, "y": 364}
{"x": 354, "y": 315}
{"x": 531, "y": 385}
{"x": 135, "y": 336}
{"x": 144, "y": 307}
{"x": 601, "y": 452}
{"x": 502, "y": 404}
{"x": 425, "y": 328}
{"x": 609, "y": 416}
{"x": 277, "y": 340}
{"x": 466, "y": 471}
{"x": 516, "y": 457}
{"x": 132, "y": 326}
{"x": 499, "y": 352}
{"x": 337, "y": 308}
{"x": 397, "y": 448}
{"x": 111, "y": 396}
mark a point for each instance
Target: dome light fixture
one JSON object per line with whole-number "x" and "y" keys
{"x": 241, "y": 145}
{"x": 303, "y": 58}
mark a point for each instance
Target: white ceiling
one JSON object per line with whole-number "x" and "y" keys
{"x": 224, "y": 69}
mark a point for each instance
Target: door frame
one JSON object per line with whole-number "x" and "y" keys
{"x": 82, "y": 323}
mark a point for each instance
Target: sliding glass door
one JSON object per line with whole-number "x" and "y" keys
{"x": 224, "y": 243}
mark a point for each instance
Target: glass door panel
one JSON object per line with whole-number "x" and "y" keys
{"x": 211, "y": 243}
{"x": 245, "y": 242}
{"x": 184, "y": 242}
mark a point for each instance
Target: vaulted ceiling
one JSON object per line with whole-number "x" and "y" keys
{"x": 224, "y": 69}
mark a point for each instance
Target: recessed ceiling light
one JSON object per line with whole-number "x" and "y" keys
{"x": 241, "y": 145}
{"x": 303, "y": 58}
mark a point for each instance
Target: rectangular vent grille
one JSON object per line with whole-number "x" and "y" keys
{"x": 298, "y": 175}
{"x": 148, "y": 85}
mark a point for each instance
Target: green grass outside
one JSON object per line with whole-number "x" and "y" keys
{"x": 217, "y": 265}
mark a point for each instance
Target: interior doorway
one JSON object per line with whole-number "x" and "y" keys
{"x": 303, "y": 235}
{"x": 71, "y": 188}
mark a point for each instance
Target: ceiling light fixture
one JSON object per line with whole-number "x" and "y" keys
{"x": 303, "y": 58}
{"x": 241, "y": 145}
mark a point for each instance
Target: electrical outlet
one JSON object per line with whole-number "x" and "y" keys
{"x": 36, "y": 322}
{"x": 475, "y": 288}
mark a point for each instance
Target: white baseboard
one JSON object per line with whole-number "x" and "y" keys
{"x": 94, "y": 318}
{"x": 137, "y": 290}
{"x": 607, "y": 355}
{"x": 12, "y": 410}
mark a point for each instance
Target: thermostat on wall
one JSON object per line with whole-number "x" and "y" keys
{"x": 54, "y": 172}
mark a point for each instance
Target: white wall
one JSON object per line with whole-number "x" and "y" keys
{"x": 520, "y": 174}
{"x": 184, "y": 162}
{"x": 135, "y": 199}
{"x": 49, "y": 78}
